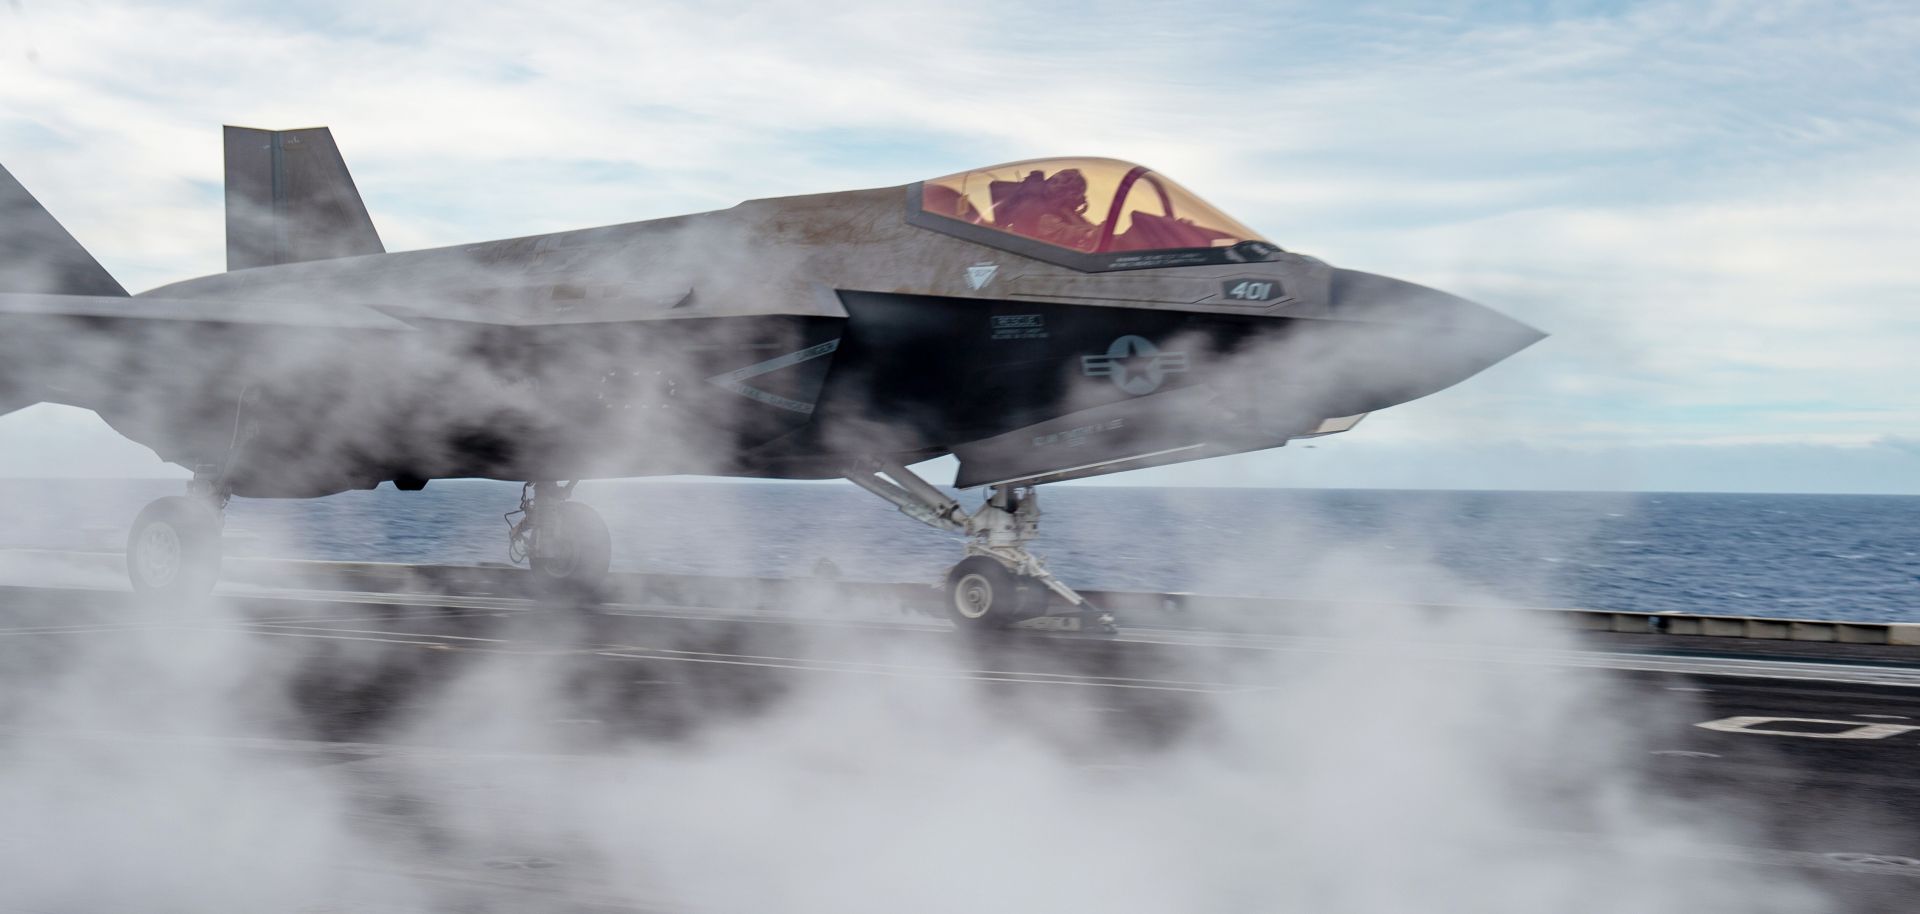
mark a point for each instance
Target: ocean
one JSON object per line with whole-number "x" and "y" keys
{"x": 1801, "y": 556}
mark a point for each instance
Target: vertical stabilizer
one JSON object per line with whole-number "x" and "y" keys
{"x": 37, "y": 254}
{"x": 290, "y": 199}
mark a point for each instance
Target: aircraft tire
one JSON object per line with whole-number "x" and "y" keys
{"x": 580, "y": 550}
{"x": 982, "y": 593}
{"x": 173, "y": 549}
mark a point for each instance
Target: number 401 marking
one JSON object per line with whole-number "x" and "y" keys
{"x": 1251, "y": 289}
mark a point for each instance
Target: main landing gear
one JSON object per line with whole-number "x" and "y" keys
{"x": 999, "y": 583}
{"x": 565, "y": 542}
{"x": 173, "y": 550}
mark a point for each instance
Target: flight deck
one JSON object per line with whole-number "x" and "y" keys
{"x": 1814, "y": 739}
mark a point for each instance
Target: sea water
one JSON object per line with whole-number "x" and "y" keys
{"x": 1804, "y": 556}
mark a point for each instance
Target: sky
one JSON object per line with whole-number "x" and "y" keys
{"x": 1713, "y": 207}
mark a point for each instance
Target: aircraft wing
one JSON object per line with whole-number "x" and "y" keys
{"x": 82, "y": 349}
{"x": 29, "y": 305}
{"x": 68, "y": 329}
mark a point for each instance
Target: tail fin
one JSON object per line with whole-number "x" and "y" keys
{"x": 290, "y": 199}
{"x": 37, "y": 254}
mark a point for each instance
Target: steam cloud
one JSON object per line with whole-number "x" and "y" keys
{"x": 166, "y": 765}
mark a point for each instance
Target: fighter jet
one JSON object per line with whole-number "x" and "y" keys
{"x": 1041, "y": 321}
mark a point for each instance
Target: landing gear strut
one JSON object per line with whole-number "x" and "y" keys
{"x": 563, "y": 541}
{"x": 173, "y": 550}
{"x": 999, "y": 583}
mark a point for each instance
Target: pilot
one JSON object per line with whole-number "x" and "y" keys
{"x": 1065, "y": 220}
{"x": 1054, "y": 210}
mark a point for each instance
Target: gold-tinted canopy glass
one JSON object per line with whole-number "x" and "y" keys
{"x": 1094, "y": 206}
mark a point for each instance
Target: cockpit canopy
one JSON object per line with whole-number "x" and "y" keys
{"x": 1090, "y": 206}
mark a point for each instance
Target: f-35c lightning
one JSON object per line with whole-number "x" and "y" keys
{"x": 1041, "y": 321}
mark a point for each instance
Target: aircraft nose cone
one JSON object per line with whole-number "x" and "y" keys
{"x": 1375, "y": 298}
{"x": 1379, "y": 342}
{"x": 1423, "y": 340}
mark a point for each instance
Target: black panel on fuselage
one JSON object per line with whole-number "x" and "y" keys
{"x": 935, "y": 372}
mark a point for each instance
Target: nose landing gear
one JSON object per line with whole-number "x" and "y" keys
{"x": 564, "y": 542}
{"x": 999, "y": 583}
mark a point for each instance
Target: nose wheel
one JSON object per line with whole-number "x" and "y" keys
{"x": 983, "y": 592}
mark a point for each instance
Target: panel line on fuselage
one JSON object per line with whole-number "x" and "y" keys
{"x": 735, "y": 381}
